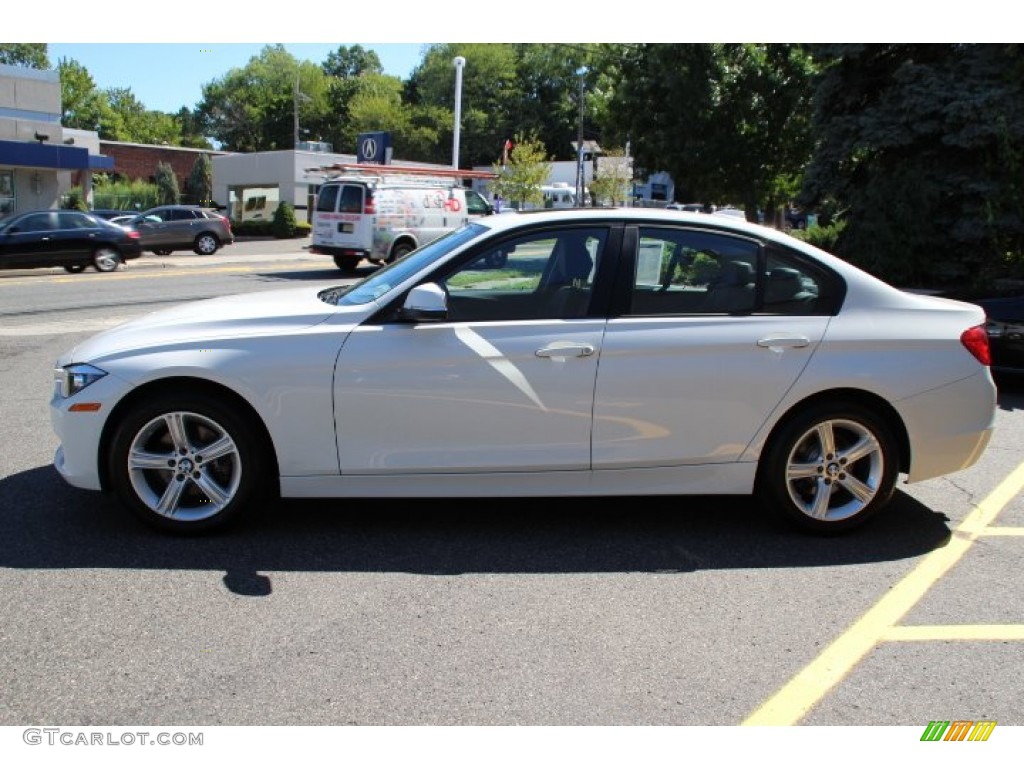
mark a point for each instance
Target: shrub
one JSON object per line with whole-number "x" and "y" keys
{"x": 824, "y": 237}
{"x": 284, "y": 222}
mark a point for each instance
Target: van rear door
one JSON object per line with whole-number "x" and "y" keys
{"x": 343, "y": 219}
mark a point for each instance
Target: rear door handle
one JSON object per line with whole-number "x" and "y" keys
{"x": 783, "y": 341}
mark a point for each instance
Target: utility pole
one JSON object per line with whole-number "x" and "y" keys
{"x": 579, "y": 143}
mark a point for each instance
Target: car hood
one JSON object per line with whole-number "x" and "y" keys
{"x": 252, "y": 314}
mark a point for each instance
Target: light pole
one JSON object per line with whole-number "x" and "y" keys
{"x": 459, "y": 63}
{"x": 579, "y": 143}
{"x": 299, "y": 96}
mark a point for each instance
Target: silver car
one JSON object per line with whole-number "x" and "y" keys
{"x": 168, "y": 228}
{"x": 615, "y": 352}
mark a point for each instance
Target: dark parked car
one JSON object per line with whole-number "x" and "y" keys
{"x": 1005, "y": 326}
{"x": 69, "y": 239}
{"x": 170, "y": 228}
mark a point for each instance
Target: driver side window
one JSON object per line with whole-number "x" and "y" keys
{"x": 545, "y": 275}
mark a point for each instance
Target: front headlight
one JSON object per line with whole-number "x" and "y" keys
{"x": 72, "y": 379}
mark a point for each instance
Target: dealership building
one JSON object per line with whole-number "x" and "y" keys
{"x": 40, "y": 160}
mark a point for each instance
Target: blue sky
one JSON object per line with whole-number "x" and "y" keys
{"x": 168, "y": 76}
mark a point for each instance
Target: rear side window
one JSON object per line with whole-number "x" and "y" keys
{"x": 327, "y": 200}
{"x": 69, "y": 220}
{"x": 351, "y": 199}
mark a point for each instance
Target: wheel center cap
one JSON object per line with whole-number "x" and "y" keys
{"x": 832, "y": 469}
{"x": 186, "y": 465}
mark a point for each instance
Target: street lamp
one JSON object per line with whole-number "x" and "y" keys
{"x": 579, "y": 142}
{"x": 299, "y": 96}
{"x": 459, "y": 63}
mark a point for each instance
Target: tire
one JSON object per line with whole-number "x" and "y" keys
{"x": 74, "y": 269}
{"x": 399, "y": 251}
{"x": 162, "y": 252}
{"x": 106, "y": 259}
{"x": 347, "y": 263}
{"x": 206, "y": 244}
{"x": 162, "y": 470}
{"x": 831, "y": 468}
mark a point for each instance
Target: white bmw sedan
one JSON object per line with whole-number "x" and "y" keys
{"x": 595, "y": 352}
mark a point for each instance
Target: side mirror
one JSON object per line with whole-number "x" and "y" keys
{"x": 425, "y": 303}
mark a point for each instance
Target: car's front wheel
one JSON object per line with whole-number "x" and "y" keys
{"x": 74, "y": 269}
{"x": 106, "y": 259}
{"x": 830, "y": 468}
{"x": 186, "y": 462}
{"x": 206, "y": 244}
{"x": 162, "y": 251}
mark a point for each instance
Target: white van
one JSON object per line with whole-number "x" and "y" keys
{"x": 382, "y": 219}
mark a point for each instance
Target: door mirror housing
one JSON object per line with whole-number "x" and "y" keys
{"x": 425, "y": 303}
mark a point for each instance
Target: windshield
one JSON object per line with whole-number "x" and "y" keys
{"x": 396, "y": 273}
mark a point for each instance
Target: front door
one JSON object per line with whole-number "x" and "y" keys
{"x": 506, "y": 384}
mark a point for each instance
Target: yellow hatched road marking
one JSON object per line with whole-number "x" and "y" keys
{"x": 809, "y": 686}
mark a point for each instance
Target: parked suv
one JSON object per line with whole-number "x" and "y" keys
{"x": 169, "y": 228}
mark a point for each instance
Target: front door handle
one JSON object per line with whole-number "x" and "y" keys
{"x": 566, "y": 349}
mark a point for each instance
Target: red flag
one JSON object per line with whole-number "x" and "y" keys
{"x": 505, "y": 151}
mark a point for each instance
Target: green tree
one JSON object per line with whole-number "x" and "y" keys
{"x": 548, "y": 94}
{"x": 528, "y": 167}
{"x": 31, "y": 55}
{"x": 490, "y": 93}
{"x": 199, "y": 186}
{"x": 252, "y": 108}
{"x": 614, "y": 183}
{"x": 729, "y": 122}
{"x": 133, "y": 122}
{"x": 167, "y": 185}
{"x": 352, "y": 61}
{"x": 83, "y": 105}
{"x": 922, "y": 146}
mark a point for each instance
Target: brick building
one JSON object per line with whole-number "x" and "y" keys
{"x": 139, "y": 161}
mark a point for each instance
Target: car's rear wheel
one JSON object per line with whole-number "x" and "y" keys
{"x": 347, "y": 263}
{"x": 74, "y": 269}
{"x": 186, "y": 462}
{"x": 206, "y": 244}
{"x": 399, "y": 251}
{"x": 106, "y": 259}
{"x": 830, "y": 468}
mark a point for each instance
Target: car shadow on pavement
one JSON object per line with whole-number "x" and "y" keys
{"x": 1010, "y": 388}
{"x": 49, "y": 525}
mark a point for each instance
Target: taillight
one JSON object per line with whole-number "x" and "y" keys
{"x": 368, "y": 203}
{"x": 976, "y": 341}
{"x": 132, "y": 234}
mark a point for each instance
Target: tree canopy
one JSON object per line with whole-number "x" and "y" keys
{"x": 31, "y": 55}
{"x": 922, "y": 148}
{"x": 916, "y": 148}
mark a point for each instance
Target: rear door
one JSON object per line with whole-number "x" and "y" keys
{"x": 726, "y": 346}
{"x": 341, "y": 219}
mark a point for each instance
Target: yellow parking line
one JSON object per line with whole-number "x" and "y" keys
{"x": 1001, "y": 530}
{"x": 813, "y": 682}
{"x": 964, "y": 632}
